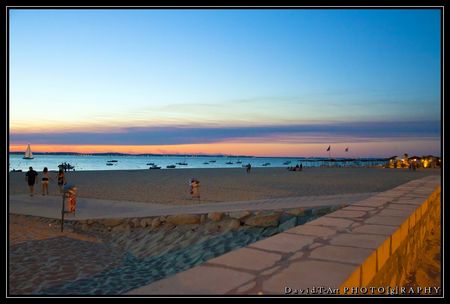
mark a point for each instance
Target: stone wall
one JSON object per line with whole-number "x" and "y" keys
{"x": 405, "y": 260}
{"x": 373, "y": 242}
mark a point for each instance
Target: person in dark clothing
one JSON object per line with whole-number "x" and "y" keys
{"x": 248, "y": 168}
{"x": 61, "y": 180}
{"x": 30, "y": 177}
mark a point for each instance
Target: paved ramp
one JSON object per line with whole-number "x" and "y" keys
{"x": 89, "y": 208}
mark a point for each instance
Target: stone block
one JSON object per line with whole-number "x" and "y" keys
{"x": 371, "y": 202}
{"x": 183, "y": 219}
{"x": 155, "y": 223}
{"x": 296, "y": 211}
{"x": 399, "y": 235}
{"x": 371, "y": 241}
{"x": 197, "y": 280}
{"x": 341, "y": 254}
{"x": 375, "y": 229}
{"x": 412, "y": 221}
{"x": 332, "y": 222}
{"x": 307, "y": 274}
{"x": 347, "y": 214}
{"x": 353, "y": 281}
{"x": 263, "y": 220}
{"x": 369, "y": 269}
{"x": 383, "y": 253}
{"x": 284, "y": 242}
{"x": 112, "y": 222}
{"x": 385, "y": 220}
{"x": 247, "y": 258}
{"x": 313, "y": 230}
{"x": 215, "y": 216}
{"x": 401, "y": 207}
{"x": 239, "y": 215}
{"x": 395, "y": 212}
{"x": 357, "y": 208}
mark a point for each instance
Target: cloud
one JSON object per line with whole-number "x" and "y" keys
{"x": 201, "y": 135}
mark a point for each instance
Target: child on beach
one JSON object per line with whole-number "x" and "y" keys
{"x": 61, "y": 180}
{"x": 45, "y": 179}
{"x": 195, "y": 188}
{"x": 30, "y": 177}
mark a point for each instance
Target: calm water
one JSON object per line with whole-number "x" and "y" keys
{"x": 130, "y": 162}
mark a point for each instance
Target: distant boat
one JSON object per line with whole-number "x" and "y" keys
{"x": 212, "y": 161}
{"x": 266, "y": 164}
{"x": 238, "y": 162}
{"x": 229, "y": 163}
{"x": 206, "y": 163}
{"x": 287, "y": 162}
{"x": 109, "y": 164}
{"x": 171, "y": 166}
{"x": 182, "y": 164}
{"x": 112, "y": 161}
{"x": 28, "y": 154}
{"x": 154, "y": 167}
{"x": 150, "y": 164}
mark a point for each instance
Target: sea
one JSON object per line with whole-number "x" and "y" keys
{"x": 83, "y": 162}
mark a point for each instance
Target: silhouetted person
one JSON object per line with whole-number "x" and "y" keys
{"x": 30, "y": 177}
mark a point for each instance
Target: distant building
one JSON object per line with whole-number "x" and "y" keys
{"x": 427, "y": 161}
{"x": 415, "y": 160}
{"x": 430, "y": 161}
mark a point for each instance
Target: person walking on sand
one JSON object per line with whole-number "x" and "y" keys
{"x": 30, "y": 177}
{"x": 61, "y": 180}
{"x": 248, "y": 168}
{"x": 195, "y": 188}
{"x": 45, "y": 180}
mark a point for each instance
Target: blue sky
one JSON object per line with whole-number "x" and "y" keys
{"x": 128, "y": 73}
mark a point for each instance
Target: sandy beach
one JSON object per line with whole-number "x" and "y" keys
{"x": 221, "y": 185}
{"x": 44, "y": 260}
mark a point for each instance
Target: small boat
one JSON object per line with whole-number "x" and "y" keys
{"x": 206, "y": 163}
{"x": 154, "y": 167}
{"x": 66, "y": 167}
{"x": 109, "y": 164}
{"x": 150, "y": 164}
{"x": 229, "y": 163}
{"x": 212, "y": 161}
{"x": 238, "y": 162}
{"x": 112, "y": 161}
{"x": 182, "y": 164}
{"x": 171, "y": 166}
{"x": 28, "y": 154}
{"x": 266, "y": 164}
{"x": 287, "y": 162}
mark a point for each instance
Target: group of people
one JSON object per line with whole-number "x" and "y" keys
{"x": 31, "y": 179}
{"x": 296, "y": 168}
{"x": 413, "y": 166}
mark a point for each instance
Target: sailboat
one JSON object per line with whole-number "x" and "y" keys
{"x": 28, "y": 154}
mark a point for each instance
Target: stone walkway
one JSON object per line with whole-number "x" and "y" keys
{"x": 88, "y": 208}
{"x": 347, "y": 246}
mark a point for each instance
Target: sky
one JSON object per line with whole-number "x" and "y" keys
{"x": 270, "y": 82}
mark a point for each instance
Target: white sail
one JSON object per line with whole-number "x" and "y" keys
{"x": 28, "y": 154}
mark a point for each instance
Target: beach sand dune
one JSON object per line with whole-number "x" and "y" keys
{"x": 220, "y": 185}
